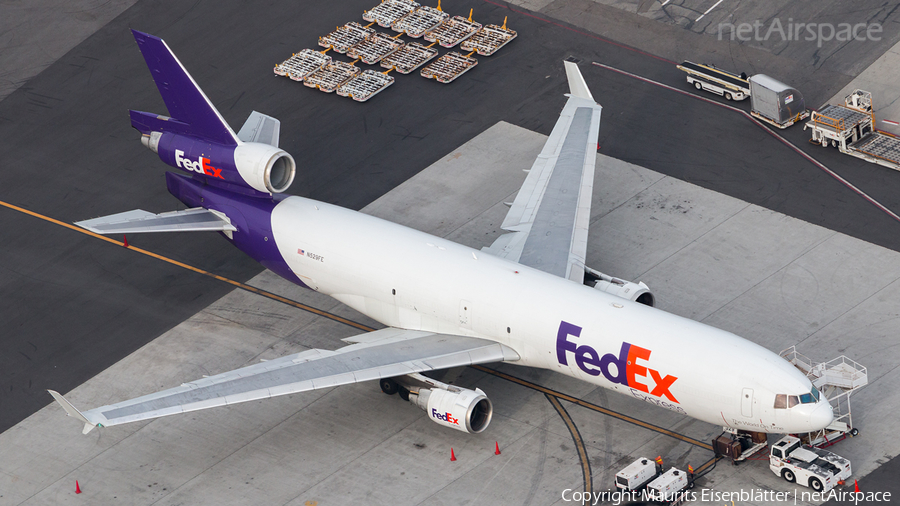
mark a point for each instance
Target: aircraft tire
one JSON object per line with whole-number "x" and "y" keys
{"x": 388, "y": 386}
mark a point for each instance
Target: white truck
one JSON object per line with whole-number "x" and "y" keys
{"x": 815, "y": 468}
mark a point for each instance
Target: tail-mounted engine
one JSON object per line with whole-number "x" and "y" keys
{"x": 458, "y": 408}
{"x": 198, "y": 140}
{"x": 262, "y": 167}
{"x": 635, "y": 292}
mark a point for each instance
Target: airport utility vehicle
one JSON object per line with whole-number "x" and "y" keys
{"x": 820, "y": 470}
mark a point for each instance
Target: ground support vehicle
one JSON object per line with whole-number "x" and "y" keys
{"x": 836, "y": 380}
{"x": 812, "y": 467}
{"x": 721, "y": 82}
{"x": 851, "y": 129}
{"x": 671, "y": 488}
{"x": 638, "y": 474}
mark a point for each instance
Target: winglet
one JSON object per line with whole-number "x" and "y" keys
{"x": 577, "y": 86}
{"x": 183, "y": 97}
{"x": 73, "y": 412}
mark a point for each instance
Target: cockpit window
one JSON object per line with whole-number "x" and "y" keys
{"x": 783, "y": 401}
{"x": 811, "y": 397}
{"x": 780, "y": 401}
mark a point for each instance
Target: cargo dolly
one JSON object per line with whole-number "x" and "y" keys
{"x": 453, "y": 31}
{"x": 775, "y": 102}
{"x": 409, "y": 57}
{"x": 448, "y": 67}
{"x": 374, "y": 48}
{"x": 489, "y": 39}
{"x": 389, "y": 11}
{"x": 301, "y": 64}
{"x": 418, "y": 22}
{"x": 365, "y": 86}
{"x": 329, "y": 77}
{"x": 851, "y": 129}
{"x": 345, "y": 37}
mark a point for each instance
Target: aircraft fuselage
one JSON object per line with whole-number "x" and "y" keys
{"x": 409, "y": 279}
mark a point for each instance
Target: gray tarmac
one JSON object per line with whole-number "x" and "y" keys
{"x": 73, "y": 306}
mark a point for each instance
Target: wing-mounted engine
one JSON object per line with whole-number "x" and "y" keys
{"x": 635, "y": 292}
{"x": 451, "y": 406}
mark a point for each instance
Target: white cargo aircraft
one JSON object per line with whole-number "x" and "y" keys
{"x": 528, "y": 299}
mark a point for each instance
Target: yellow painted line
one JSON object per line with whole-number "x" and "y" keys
{"x": 594, "y": 407}
{"x": 707, "y": 464}
{"x": 576, "y": 437}
{"x": 183, "y": 265}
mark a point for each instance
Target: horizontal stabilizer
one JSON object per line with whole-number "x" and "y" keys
{"x": 185, "y": 100}
{"x": 260, "y": 128}
{"x": 139, "y": 221}
{"x": 73, "y": 412}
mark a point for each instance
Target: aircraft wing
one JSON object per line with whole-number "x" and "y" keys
{"x": 381, "y": 354}
{"x": 548, "y": 221}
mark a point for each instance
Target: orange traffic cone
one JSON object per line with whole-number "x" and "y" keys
{"x": 855, "y": 486}
{"x": 77, "y": 488}
{"x": 452, "y": 456}
{"x": 496, "y": 448}
{"x": 124, "y": 241}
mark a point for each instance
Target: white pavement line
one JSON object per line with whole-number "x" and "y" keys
{"x": 784, "y": 141}
{"x": 707, "y": 11}
{"x": 890, "y": 122}
{"x": 664, "y": 3}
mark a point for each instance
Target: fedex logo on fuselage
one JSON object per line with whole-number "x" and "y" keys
{"x": 626, "y": 371}
{"x": 200, "y": 166}
{"x": 445, "y": 417}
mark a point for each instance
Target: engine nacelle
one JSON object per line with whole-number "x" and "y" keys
{"x": 635, "y": 292}
{"x": 458, "y": 408}
{"x": 262, "y": 167}
{"x": 265, "y": 167}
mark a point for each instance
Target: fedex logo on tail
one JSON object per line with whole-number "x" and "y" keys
{"x": 623, "y": 369}
{"x": 444, "y": 417}
{"x": 200, "y": 166}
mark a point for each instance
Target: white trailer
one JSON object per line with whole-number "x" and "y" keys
{"x": 641, "y": 472}
{"x": 671, "y": 487}
{"x": 851, "y": 129}
{"x": 815, "y": 468}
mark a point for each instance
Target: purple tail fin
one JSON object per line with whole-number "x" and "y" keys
{"x": 187, "y": 104}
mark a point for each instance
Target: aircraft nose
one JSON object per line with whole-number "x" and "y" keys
{"x": 822, "y": 416}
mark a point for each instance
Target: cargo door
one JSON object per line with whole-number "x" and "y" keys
{"x": 747, "y": 403}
